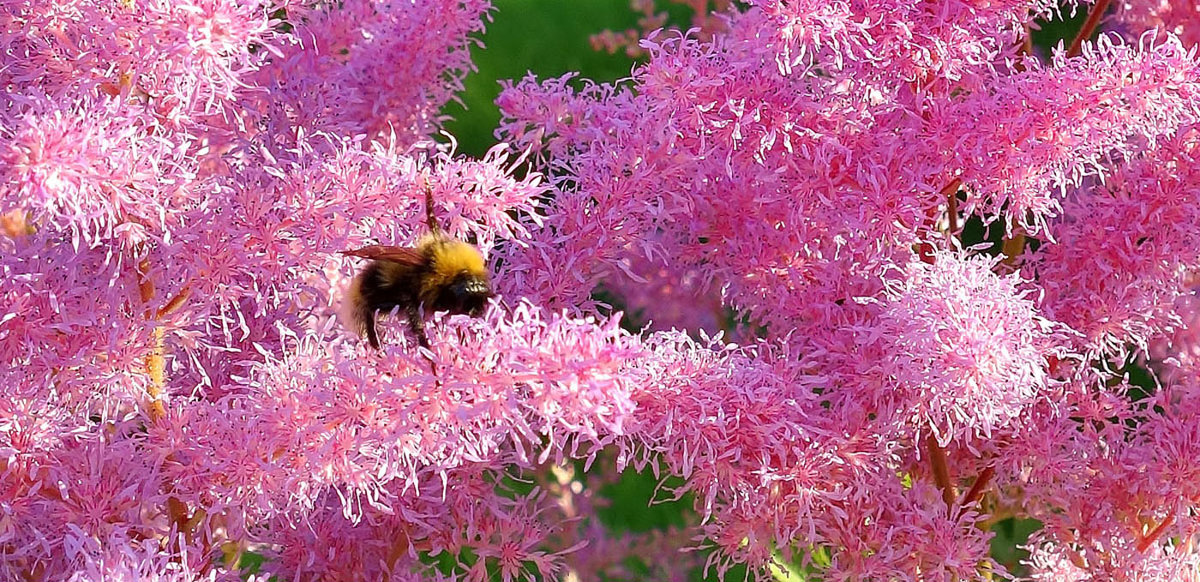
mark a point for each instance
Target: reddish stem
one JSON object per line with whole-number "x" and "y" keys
{"x": 951, "y": 187}
{"x": 925, "y": 253}
{"x": 1089, "y": 26}
{"x": 1027, "y": 41}
{"x": 174, "y": 303}
{"x": 941, "y": 471}
{"x": 1155, "y": 533}
{"x": 975, "y": 493}
{"x": 925, "y": 249}
{"x": 950, "y": 191}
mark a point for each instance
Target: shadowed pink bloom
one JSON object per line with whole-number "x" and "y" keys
{"x": 1177, "y": 17}
{"x": 362, "y": 67}
{"x": 123, "y": 560}
{"x": 1137, "y": 266}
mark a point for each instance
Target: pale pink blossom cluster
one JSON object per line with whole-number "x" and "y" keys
{"x": 178, "y": 397}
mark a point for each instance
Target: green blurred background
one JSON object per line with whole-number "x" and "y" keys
{"x": 545, "y": 37}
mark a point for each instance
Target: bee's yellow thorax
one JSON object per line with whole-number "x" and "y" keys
{"x": 447, "y": 259}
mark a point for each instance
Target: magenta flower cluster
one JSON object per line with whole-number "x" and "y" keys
{"x": 940, "y": 257}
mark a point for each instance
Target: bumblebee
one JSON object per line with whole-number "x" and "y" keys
{"x": 439, "y": 274}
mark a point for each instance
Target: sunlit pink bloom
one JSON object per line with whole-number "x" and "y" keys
{"x": 967, "y": 344}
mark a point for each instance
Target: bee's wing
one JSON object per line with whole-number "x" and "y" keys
{"x": 402, "y": 255}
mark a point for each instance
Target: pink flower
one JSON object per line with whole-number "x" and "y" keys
{"x": 1031, "y": 137}
{"x": 1176, "y": 17}
{"x": 968, "y": 346}
{"x": 380, "y": 69}
{"x": 1136, "y": 268}
{"x": 177, "y": 180}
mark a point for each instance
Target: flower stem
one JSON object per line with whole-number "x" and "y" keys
{"x": 156, "y": 366}
{"x": 941, "y": 470}
{"x": 156, "y": 363}
{"x": 975, "y": 493}
{"x": 1027, "y": 42}
{"x": 1155, "y": 533}
{"x": 1089, "y": 26}
{"x": 950, "y": 191}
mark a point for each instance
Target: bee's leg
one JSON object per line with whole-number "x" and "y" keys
{"x": 418, "y": 326}
{"x": 368, "y": 319}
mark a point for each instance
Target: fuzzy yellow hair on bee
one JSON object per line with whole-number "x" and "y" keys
{"x": 439, "y": 274}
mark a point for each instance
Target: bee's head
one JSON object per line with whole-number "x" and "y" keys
{"x": 458, "y": 279}
{"x": 467, "y": 293}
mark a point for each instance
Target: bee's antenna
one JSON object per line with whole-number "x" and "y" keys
{"x": 430, "y": 218}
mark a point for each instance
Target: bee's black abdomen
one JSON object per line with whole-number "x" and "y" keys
{"x": 386, "y": 286}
